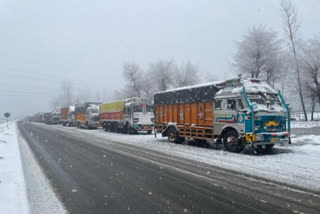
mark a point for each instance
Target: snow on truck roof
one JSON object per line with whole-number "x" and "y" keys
{"x": 205, "y": 92}
{"x": 190, "y": 87}
{"x": 129, "y": 100}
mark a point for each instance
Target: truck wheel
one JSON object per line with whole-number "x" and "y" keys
{"x": 173, "y": 136}
{"x": 127, "y": 129}
{"x": 231, "y": 142}
{"x": 149, "y": 132}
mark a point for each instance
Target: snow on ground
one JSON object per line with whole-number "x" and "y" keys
{"x": 295, "y": 164}
{"x": 41, "y": 195}
{"x": 24, "y": 188}
{"x": 304, "y": 124}
{"x": 13, "y": 194}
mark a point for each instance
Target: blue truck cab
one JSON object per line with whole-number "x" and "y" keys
{"x": 250, "y": 113}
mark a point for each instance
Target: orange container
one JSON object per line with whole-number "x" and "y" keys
{"x": 189, "y": 114}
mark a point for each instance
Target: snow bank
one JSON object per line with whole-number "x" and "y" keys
{"x": 13, "y": 195}
{"x": 305, "y": 124}
{"x": 295, "y": 164}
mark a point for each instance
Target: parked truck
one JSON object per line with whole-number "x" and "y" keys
{"x": 87, "y": 115}
{"x": 235, "y": 113}
{"x": 127, "y": 116}
{"x": 52, "y": 118}
{"x": 67, "y": 116}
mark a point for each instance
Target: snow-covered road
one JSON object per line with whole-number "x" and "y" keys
{"x": 296, "y": 164}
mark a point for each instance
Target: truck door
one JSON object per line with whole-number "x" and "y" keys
{"x": 225, "y": 114}
{"x": 127, "y": 114}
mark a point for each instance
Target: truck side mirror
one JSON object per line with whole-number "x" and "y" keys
{"x": 289, "y": 106}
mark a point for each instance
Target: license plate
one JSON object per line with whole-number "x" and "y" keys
{"x": 274, "y": 139}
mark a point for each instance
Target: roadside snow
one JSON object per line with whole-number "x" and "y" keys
{"x": 304, "y": 124}
{"x": 13, "y": 194}
{"x": 296, "y": 164}
{"x": 41, "y": 195}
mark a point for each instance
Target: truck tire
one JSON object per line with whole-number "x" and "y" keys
{"x": 231, "y": 142}
{"x": 173, "y": 136}
{"x": 149, "y": 132}
{"x": 127, "y": 129}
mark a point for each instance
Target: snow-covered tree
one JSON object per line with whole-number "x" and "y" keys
{"x": 65, "y": 96}
{"x": 258, "y": 54}
{"x": 162, "y": 74}
{"x": 186, "y": 74}
{"x": 133, "y": 76}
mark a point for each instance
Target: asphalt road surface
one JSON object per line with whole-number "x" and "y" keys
{"x": 95, "y": 175}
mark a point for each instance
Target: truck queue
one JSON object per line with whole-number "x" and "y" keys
{"x": 236, "y": 113}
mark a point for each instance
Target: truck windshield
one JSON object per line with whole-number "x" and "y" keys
{"x": 274, "y": 103}
{"x": 268, "y": 102}
{"x": 137, "y": 108}
{"x": 94, "y": 111}
{"x": 149, "y": 108}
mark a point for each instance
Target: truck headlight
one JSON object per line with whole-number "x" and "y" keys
{"x": 135, "y": 120}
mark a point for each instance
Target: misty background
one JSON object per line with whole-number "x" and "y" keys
{"x": 44, "y": 43}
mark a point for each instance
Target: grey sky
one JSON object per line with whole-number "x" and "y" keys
{"x": 86, "y": 42}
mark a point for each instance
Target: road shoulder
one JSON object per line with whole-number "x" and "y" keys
{"x": 13, "y": 193}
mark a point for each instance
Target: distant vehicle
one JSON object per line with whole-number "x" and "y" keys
{"x": 127, "y": 116}
{"x": 67, "y": 116}
{"x": 86, "y": 115}
{"x": 38, "y": 117}
{"x": 236, "y": 113}
{"x": 52, "y": 118}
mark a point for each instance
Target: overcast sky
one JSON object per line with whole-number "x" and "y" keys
{"x": 86, "y": 42}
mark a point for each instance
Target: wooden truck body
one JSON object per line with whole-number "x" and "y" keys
{"x": 67, "y": 116}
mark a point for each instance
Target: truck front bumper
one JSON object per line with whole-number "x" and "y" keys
{"x": 141, "y": 127}
{"x": 94, "y": 124}
{"x": 266, "y": 138}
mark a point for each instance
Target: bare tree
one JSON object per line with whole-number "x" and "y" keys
{"x": 258, "y": 54}
{"x": 133, "y": 77}
{"x": 311, "y": 66}
{"x": 291, "y": 27}
{"x": 162, "y": 74}
{"x": 186, "y": 74}
{"x": 65, "y": 96}
{"x": 67, "y": 93}
{"x": 148, "y": 87}
{"x": 211, "y": 77}
{"x": 84, "y": 94}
